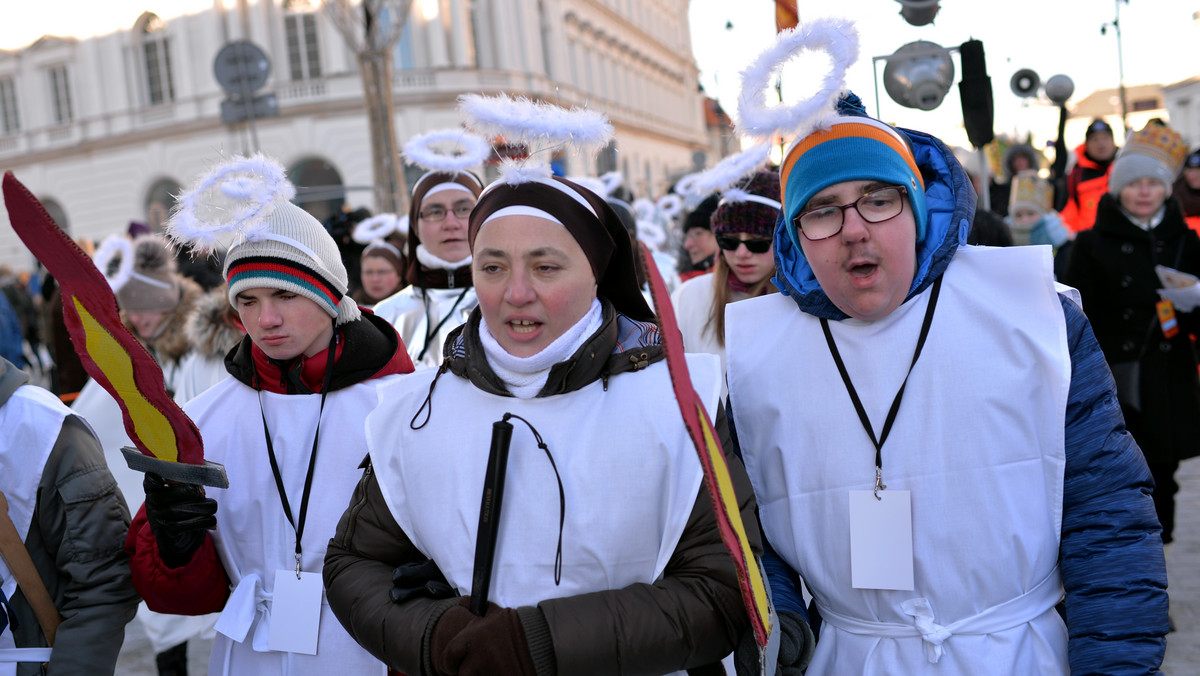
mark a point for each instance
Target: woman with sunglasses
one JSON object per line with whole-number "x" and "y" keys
{"x": 743, "y": 224}
{"x": 439, "y": 295}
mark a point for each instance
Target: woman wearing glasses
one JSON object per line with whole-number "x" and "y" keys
{"x": 743, "y": 224}
{"x": 439, "y": 295}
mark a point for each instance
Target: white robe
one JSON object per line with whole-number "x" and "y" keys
{"x": 979, "y": 442}
{"x": 629, "y": 470}
{"x": 406, "y": 311}
{"x": 253, "y": 536}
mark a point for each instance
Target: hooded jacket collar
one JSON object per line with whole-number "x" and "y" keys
{"x": 950, "y": 200}
{"x": 11, "y": 378}
{"x": 366, "y": 348}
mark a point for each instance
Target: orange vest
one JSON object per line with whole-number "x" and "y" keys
{"x": 1083, "y": 196}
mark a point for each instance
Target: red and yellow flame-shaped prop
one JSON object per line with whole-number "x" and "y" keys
{"x": 712, "y": 459}
{"x": 111, "y": 355}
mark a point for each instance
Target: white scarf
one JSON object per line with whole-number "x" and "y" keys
{"x": 526, "y": 376}
{"x": 434, "y": 263}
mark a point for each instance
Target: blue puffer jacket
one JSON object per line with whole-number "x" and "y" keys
{"x": 1111, "y": 552}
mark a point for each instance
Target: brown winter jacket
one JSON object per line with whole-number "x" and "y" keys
{"x": 689, "y": 619}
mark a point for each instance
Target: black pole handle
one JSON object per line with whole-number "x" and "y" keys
{"x": 489, "y": 515}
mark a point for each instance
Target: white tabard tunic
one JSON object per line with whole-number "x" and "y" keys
{"x": 629, "y": 470}
{"x": 979, "y": 441}
{"x": 253, "y": 536}
{"x": 32, "y": 419}
{"x": 405, "y": 310}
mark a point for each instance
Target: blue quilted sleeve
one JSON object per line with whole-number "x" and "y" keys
{"x": 1111, "y": 554}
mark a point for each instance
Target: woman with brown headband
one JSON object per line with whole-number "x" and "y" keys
{"x": 607, "y": 553}
{"x": 439, "y": 296}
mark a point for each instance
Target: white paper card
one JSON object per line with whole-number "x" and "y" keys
{"x": 881, "y": 550}
{"x": 295, "y": 612}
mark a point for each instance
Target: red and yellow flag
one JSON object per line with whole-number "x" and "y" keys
{"x": 111, "y": 355}
{"x": 786, "y": 15}
{"x": 712, "y": 460}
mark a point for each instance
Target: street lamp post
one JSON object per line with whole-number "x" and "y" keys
{"x": 1116, "y": 24}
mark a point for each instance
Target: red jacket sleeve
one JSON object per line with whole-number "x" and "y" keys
{"x": 198, "y": 588}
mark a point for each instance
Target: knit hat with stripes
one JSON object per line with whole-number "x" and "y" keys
{"x": 276, "y": 244}
{"x": 855, "y": 148}
{"x": 297, "y": 255}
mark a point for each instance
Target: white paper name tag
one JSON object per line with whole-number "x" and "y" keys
{"x": 295, "y": 612}
{"x": 881, "y": 553}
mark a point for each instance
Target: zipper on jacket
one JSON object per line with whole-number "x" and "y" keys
{"x": 357, "y": 505}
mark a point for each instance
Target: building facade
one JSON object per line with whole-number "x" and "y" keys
{"x": 105, "y": 130}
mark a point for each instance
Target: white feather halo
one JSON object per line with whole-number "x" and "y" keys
{"x": 538, "y": 125}
{"x": 596, "y": 185}
{"x": 730, "y": 170}
{"x": 651, "y": 233}
{"x": 612, "y": 180}
{"x": 235, "y": 197}
{"x": 687, "y": 185}
{"x": 373, "y": 228}
{"x": 645, "y": 209}
{"x": 671, "y": 205}
{"x": 514, "y": 172}
{"x": 838, "y": 38}
{"x": 113, "y": 247}
{"x": 474, "y": 150}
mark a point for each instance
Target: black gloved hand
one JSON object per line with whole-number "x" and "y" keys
{"x": 179, "y": 517}
{"x": 796, "y": 645}
{"x": 424, "y": 579}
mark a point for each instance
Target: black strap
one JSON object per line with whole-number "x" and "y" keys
{"x": 428, "y": 320}
{"x": 562, "y": 498}
{"x": 858, "y": 407}
{"x": 298, "y": 524}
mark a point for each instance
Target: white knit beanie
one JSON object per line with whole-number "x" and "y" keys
{"x": 279, "y": 245}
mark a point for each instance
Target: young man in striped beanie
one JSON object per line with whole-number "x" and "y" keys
{"x": 906, "y": 394}
{"x": 309, "y": 367}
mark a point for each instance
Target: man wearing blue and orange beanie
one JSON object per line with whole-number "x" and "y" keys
{"x": 932, "y": 433}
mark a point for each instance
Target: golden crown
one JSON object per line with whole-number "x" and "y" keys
{"x": 1160, "y": 142}
{"x": 1032, "y": 190}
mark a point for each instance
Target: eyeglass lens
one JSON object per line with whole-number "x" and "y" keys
{"x": 874, "y": 207}
{"x": 437, "y": 213}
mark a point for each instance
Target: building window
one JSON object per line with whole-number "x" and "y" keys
{"x": 404, "y": 49}
{"x": 1141, "y": 105}
{"x": 10, "y": 123}
{"x": 156, "y": 59}
{"x": 60, "y": 95}
{"x": 300, "y": 25}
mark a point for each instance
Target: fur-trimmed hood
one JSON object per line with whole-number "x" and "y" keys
{"x": 172, "y": 343}
{"x": 210, "y": 326}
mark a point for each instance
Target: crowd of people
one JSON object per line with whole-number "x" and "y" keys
{"x": 948, "y": 458}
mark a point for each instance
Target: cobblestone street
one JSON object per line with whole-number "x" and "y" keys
{"x": 1183, "y": 576}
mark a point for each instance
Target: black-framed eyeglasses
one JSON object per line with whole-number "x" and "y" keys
{"x": 874, "y": 207}
{"x": 438, "y": 213}
{"x": 754, "y": 245}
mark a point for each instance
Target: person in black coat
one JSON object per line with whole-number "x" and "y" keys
{"x": 1113, "y": 266}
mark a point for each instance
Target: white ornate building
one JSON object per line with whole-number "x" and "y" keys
{"x": 104, "y": 130}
